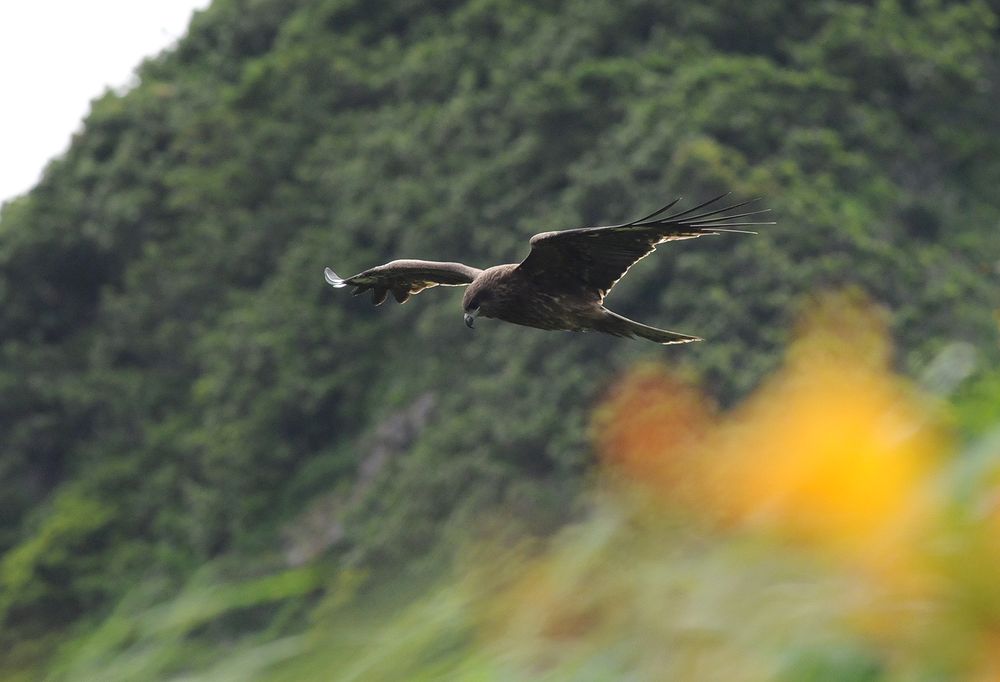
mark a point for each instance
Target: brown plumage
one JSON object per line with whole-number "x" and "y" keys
{"x": 563, "y": 281}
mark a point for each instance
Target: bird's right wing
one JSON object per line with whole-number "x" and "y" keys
{"x": 595, "y": 258}
{"x": 404, "y": 278}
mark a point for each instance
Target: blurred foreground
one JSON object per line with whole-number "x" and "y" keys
{"x": 826, "y": 528}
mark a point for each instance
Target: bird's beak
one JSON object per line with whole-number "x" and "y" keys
{"x": 470, "y": 319}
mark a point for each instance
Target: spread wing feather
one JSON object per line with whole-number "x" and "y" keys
{"x": 597, "y": 257}
{"x": 403, "y": 278}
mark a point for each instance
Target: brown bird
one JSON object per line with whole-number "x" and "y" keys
{"x": 562, "y": 283}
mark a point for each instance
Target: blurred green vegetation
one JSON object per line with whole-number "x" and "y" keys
{"x": 204, "y": 449}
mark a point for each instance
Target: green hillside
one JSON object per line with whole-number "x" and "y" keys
{"x": 186, "y": 405}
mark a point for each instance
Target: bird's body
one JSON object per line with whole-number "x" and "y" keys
{"x": 507, "y": 293}
{"x": 562, "y": 283}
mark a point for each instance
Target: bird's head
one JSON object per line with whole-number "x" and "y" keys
{"x": 476, "y": 302}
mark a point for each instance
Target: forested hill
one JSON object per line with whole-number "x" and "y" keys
{"x": 179, "y": 384}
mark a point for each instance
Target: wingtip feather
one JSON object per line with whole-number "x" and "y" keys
{"x": 333, "y": 279}
{"x": 678, "y": 342}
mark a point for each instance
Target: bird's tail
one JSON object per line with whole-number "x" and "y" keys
{"x": 613, "y": 323}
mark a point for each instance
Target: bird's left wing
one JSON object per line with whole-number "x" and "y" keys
{"x": 595, "y": 258}
{"x": 404, "y": 278}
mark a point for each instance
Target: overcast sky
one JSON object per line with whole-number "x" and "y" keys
{"x": 56, "y": 56}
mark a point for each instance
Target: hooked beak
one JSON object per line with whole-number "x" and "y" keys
{"x": 470, "y": 318}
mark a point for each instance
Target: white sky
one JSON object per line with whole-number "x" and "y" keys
{"x": 56, "y": 56}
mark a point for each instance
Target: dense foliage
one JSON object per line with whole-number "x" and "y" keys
{"x": 180, "y": 387}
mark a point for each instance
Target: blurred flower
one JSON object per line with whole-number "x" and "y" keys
{"x": 650, "y": 428}
{"x": 833, "y": 451}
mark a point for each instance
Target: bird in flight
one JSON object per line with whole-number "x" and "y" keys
{"x": 562, "y": 283}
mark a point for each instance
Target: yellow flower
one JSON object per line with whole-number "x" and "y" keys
{"x": 834, "y": 450}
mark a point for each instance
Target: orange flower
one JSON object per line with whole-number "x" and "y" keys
{"x": 650, "y": 426}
